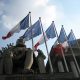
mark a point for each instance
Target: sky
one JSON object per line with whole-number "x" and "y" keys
{"x": 62, "y": 12}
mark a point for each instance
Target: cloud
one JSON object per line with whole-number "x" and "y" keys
{"x": 1, "y": 7}
{"x": 41, "y": 2}
{"x": 8, "y": 21}
{"x": 18, "y": 9}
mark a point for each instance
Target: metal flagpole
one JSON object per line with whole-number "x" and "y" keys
{"x": 63, "y": 55}
{"x": 75, "y": 38}
{"x": 31, "y": 31}
{"x": 46, "y": 48}
{"x": 73, "y": 56}
{"x": 75, "y": 59}
{"x": 64, "y": 60}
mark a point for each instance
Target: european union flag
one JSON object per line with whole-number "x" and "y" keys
{"x": 33, "y": 31}
{"x": 51, "y": 31}
{"x": 62, "y": 36}
{"x": 71, "y": 39}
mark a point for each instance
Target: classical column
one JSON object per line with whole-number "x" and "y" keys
{"x": 74, "y": 69}
{"x": 60, "y": 66}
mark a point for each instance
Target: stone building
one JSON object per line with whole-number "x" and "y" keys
{"x": 66, "y": 67}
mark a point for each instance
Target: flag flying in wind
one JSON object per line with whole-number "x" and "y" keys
{"x": 33, "y": 31}
{"x": 59, "y": 48}
{"x": 62, "y": 43}
{"x": 49, "y": 33}
{"x": 71, "y": 38}
{"x": 62, "y": 36}
{"x": 65, "y": 44}
{"x": 20, "y": 26}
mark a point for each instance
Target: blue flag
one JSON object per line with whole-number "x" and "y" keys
{"x": 33, "y": 31}
{"x": 25, "y": 22}
{"x": 51, "y": 31}
{"x": 62, "y": 36}
{"x": 71, "y": 38}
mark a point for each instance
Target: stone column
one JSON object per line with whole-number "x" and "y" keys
{"x": 74, "y": 69}
{"x": 60, "y": 66}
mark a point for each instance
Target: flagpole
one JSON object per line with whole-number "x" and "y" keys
{"x": 31, "y": 30}
{"x": 46, "y": 48}
{"x": 64, "y": 58}
{"x": 75, "y": 38}
{"x": 75, "y": 60}
{"x": 79, "y": 49}
{"x": 63, "y": 55}
{"x": 74, "y": 56}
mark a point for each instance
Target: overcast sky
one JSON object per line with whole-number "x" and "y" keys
{"x": 62, "y": 12}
